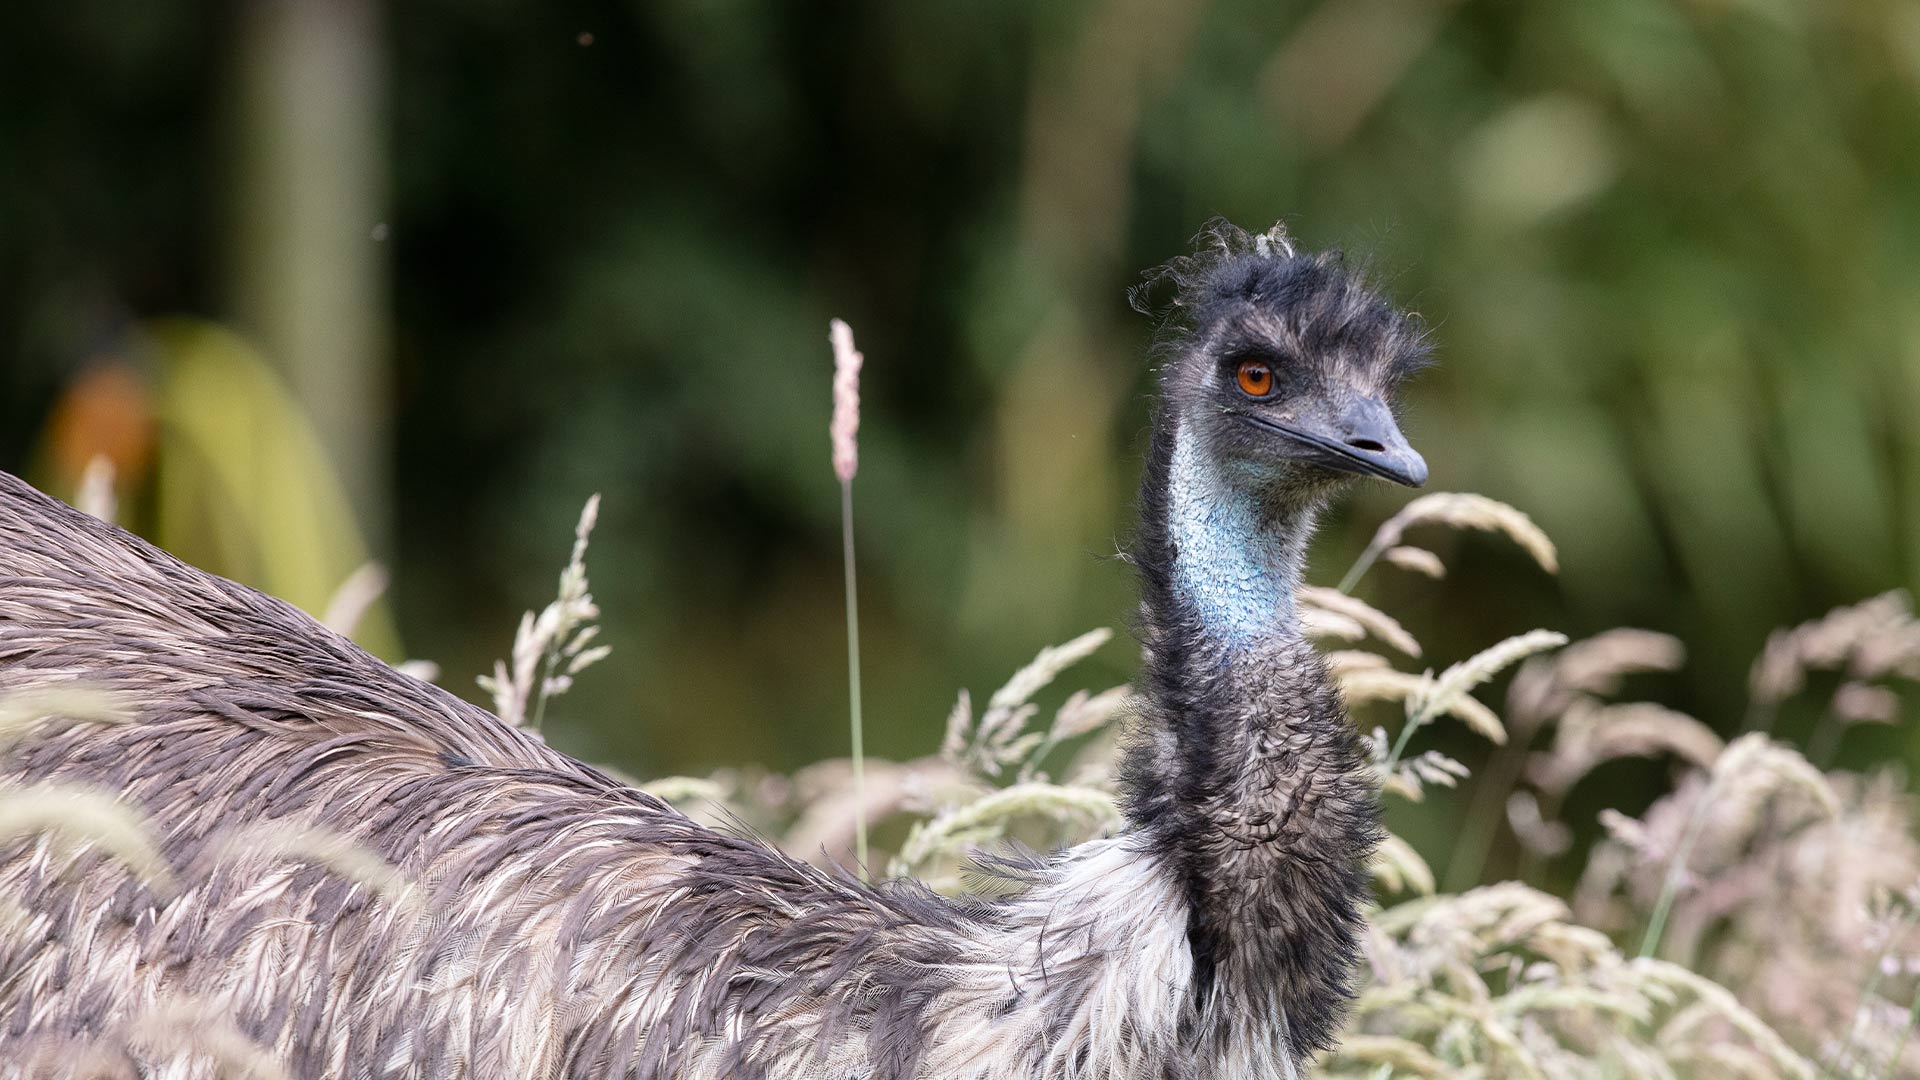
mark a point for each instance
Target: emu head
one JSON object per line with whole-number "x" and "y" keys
{"x": 1284, "y": 368}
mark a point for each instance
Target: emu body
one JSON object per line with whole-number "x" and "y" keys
{"x": 560, "y": 924}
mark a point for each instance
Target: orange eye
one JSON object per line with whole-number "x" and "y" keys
{"x": 1256, "y": 378}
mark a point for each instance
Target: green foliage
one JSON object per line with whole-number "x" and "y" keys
{"x": 1668, "y": 250}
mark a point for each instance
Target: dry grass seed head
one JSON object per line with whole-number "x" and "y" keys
{"x": 288, "y": 841}
{"x": 1591, "y": 734}
{"x": 1467, "y": 511}
{"x": 1446, "y": 693}
{"x": 1397, "y": 867}
{"x": 354, "y": 598}
{"x": 999, "y": 739}
{"x": 83, "y": 818}
{"x": 95, "y": 494}
{"x": 1319, "y": 624}
{"x": 1382, "y": 626}
{"x": 1755, "y": 770}
{"x": 1343, "y": 662}
{"x": 25, "y": 709}
{"x": 553, "y": 645}
{"x": 184, "y": 1030}
{"x": 1545, "y": 687}
{"x": 1416, "y": 560}
{"x": 1880, "y": 635}
{"x": 956, "y": 831}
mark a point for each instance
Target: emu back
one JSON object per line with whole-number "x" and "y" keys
{"x": 552, "y": 921}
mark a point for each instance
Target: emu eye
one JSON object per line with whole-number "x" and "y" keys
{"x": 1255, "y": 378}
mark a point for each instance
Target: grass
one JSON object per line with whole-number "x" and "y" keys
{"x": 1769, "y": 904}
{"x": 846, "y": 464}
{"x": 1775, "y": 904}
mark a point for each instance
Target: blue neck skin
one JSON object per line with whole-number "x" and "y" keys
{"x": 1237, "y": 561}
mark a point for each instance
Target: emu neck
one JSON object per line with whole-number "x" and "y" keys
{"x": 1247, "y": 782}
{"x": 1237, "y": 559}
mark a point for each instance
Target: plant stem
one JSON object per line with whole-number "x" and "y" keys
{"x": 1413, "y": 724}
{"x": 548, "y": 665}
{"x": 1670, "y": 889}
{"x": 1490, "y": 796}
{"x": 1361, "y": 566}
{"x": 1872, "y": 987}
{"x": 1899, "y": 1048}
{"x": 1532, "y": 863}
{"x": 1824, "y": 742}
{"x": 853, "y": 682}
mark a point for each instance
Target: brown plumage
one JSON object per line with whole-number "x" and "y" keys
{"x": 554, "y": 923}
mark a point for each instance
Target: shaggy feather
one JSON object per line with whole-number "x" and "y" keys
{"x": 558, "y": 924}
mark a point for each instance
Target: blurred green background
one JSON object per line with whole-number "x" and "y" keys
{"x": 335, "y": 278}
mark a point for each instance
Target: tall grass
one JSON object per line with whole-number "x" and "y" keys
{"x": 1769, "y": 941}
{"x": 1775, "y": 905}
{"x": 553, "y": 645}
{"x": 846, "y": 463}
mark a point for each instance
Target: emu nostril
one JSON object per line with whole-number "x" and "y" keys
{"x": 1369, "y": 445}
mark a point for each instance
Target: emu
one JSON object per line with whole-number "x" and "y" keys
{"x": 561, "y": 924}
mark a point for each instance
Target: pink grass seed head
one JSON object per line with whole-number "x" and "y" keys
{"x": 846, "y": 401}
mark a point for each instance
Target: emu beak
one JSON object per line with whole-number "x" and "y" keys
{"x": 1363, "y": 439}
{"x": 1369, "y": 441}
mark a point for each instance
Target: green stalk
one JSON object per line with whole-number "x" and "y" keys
{"x": 1899, "y": 1048}
{"x": 1415, "y": 721}
{"x": 1497, "y": 783}
{"x": 1872, "y": 987}
{"x": 1824, "y": 743}
{"x": 547, "y": 668}
{"x": 1360, "y": 566}
{"x": 1670, "y": 889}
{"x": 1407, "y": 729}
{"x": 853, "y": 682}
